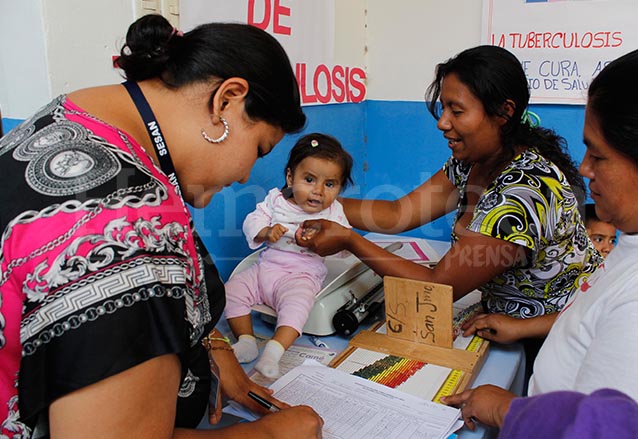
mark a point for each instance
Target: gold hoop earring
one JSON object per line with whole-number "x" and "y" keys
{"x": 221, "y": 138}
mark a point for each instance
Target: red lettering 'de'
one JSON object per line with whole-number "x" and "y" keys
{"x": 275, "y": 11}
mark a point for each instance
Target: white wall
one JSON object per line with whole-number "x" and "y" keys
{"x": 51, "y": 47}
{"x": 350, "y": 32}
{"x": 81, "y": 38}
{"x": 24, "y": 84}
{"x": 407, "y": 38}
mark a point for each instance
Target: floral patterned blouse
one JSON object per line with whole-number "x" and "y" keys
{"x": 530, "y": 204}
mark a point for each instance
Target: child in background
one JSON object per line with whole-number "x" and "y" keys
{"x": 602, "y": 234}
{"x": 287, "y": 277}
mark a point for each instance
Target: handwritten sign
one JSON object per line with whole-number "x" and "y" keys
{"x": 562, "y": 45}
{"x": 418, "y": 311}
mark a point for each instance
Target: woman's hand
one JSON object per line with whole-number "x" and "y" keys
{"x": 299, "y": 422}
{"x": 235, "y": 383}
{"x": 323, "y": 237}
{"x": 494, "y": 327}
{"x": 289, "y": 423}
{"x": 486, "y": 404}
{"x": 505, "y": 329}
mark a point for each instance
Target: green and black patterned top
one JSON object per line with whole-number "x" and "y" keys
{"x": 531, "y": 204}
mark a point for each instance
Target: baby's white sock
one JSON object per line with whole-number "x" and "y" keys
{"x": 268, "y": 364}
{"x": 246, "y": 348}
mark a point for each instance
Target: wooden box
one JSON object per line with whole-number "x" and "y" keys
{"x": 419, "y": 326}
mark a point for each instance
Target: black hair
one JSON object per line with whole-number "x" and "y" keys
{"x": 590, "y": 213}
{"x": 219, "y": 51}
{"x": 320, "y": 146}
{"x": 494, "y": 75}
{"x": 612, "y": 98}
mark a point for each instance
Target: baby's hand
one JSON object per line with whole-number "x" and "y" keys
{"x": 275, "y": 233}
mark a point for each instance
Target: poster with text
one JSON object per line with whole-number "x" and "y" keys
{"x": 562, "y": 44}
{"x": 306, "y": 30}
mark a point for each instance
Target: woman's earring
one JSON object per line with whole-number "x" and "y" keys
{"x": 221, "y": 138}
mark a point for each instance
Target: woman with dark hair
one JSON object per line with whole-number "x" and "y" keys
{"x": 109, "y": 299}
{"x": 591, "y": 344}
{"x": 491, "y": 75}
{"x": 517, "y": 234}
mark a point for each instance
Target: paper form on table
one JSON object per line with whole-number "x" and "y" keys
{"x": 353, "y": 407}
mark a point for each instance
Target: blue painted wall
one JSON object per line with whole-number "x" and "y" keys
{"x": 395, "y": 145}
{"x": 405, "y": 148}
{"x": 9, "y": 124}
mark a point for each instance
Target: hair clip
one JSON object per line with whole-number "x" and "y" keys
{"x": 314, "y": 143}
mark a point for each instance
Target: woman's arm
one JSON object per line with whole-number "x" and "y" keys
{"x": 299, "y": 422}
{"x": 572, "y": 415}
{"x": 560, "y": 414}
{"x": 141, "y": 402}
{"x": 473, "y": 261}
{"x": 431, "y": 200}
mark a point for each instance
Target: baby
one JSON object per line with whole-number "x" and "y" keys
{"x": 287, "y": 277}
